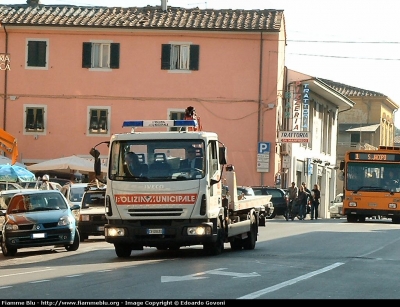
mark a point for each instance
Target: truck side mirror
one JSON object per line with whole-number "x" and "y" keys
{"x": 97, "y": 163}
{"x": 222, "y": 155}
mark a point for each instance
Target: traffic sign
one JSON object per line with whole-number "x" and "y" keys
{"x": 264, "y": 147}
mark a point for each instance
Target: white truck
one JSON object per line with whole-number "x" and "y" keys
{"x": 166, "y": 206}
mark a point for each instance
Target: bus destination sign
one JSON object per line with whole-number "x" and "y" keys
{"x": 374, "y": 156}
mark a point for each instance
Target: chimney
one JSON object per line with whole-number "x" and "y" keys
{"x": 164, "y": 5}
{"x": 33, "y": 2}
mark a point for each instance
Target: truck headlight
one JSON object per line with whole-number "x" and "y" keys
{"x": 115, "y": 232}
{"x": 392, "y": 206}
{"x": 352, "y": 204}
{"x": 199, "y": 230}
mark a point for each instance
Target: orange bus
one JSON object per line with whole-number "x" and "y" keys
{"x": 371, "y": 185}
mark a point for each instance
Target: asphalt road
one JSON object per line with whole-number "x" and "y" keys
{"x": 323, "y": 259}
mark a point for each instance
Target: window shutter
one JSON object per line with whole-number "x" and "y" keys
{"x": 114, "y": 57}
{"x": 165, "y": 56}
{"x": 31, "y": 53}
{"x": 87, "y": 55}
{"x": 41, "y": 54}
{"x": 39, "y": 119}
{"x": 194, "y": 57}
{"x": 37, "y": 53}
{"x": 29, "y": 119}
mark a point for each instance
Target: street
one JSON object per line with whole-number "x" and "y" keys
{"x": 323, "y": 259}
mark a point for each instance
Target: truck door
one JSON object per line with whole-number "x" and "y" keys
{"x": 214, "y": 173}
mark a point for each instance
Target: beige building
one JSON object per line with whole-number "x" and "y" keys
{"x": 369, "y": 124}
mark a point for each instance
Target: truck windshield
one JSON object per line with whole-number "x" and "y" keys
{"x": 157, "y": 160}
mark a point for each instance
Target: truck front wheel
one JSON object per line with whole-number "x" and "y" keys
{"x": 216, "y": 248}
{"x": 123, "y": 250}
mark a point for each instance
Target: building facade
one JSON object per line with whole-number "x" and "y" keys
{"x": 76, "y": 73}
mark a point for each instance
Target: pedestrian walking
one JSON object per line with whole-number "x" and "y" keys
{"x": 309, "y": 198}
{"x": 302, "y": 199}
{"x": 293, "y": 192}
{"x": 316, "y": 195}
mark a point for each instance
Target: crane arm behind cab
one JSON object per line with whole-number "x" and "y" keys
{"x": 9, "y": 144}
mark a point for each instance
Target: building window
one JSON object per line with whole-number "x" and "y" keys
{"x": 175, "y": 115}
{"x": 37, "y": 53}
{"x": 180, "y": 57}
{"x": 355, "y": 138}
{"x": 34, "y": 119}
{"x": 98, "y": 121}
{"x": 100, "y": 55}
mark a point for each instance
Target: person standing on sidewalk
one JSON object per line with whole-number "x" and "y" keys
{"x": 316, "y": 195}
{"x": 293, "y": 191}
{"x": 302, "y": 199}
{"x": 309, "y": 198}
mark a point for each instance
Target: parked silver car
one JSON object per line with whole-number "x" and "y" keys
{"x": 336, "y": 207}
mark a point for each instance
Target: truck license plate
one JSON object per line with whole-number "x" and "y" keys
{"x": 38, "y": 235}
{"x": 158, "y": 231}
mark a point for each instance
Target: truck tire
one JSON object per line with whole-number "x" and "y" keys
{"x": 250, "y": 242}
{"x": 261, "y": 220}
{"x": 122, "y": 250}
{"x": 236, "y": 244}
{"x": 396, "y": 220}
{"x": 217, "y": 247}
{"x": 352, "y": 218}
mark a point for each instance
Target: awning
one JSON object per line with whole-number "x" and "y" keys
{"x": 370, "y": 128}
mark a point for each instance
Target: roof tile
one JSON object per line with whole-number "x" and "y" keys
{"x": 141, "y": 17}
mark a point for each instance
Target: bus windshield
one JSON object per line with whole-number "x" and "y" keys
{"x": 375, "y": 176}
{"x": 157, "y": 160}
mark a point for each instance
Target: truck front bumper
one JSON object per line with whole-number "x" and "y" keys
{"x": 156, "y": 234}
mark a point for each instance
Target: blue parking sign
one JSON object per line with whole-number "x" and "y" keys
{"x": 264, "y": 147}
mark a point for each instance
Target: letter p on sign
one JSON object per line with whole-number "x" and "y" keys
{"x": 264, "y": 147}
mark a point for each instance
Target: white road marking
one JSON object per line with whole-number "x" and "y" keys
{"x": 289, "y": 282}
{"x": 234, "y": 274}
{"x": 213, "y": 272}
{"x": 23, "y": 273}
{"x": 39, "y": 281}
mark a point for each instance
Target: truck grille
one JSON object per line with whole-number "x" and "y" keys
{"x": 155, "y": 212}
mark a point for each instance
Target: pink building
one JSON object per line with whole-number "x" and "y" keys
{"x": 71, "y": 75}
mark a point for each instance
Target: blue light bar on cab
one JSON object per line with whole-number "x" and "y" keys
{"x": 159, "y": 123}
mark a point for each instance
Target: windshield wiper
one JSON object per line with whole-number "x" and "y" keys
{"x": 371, "y": 188}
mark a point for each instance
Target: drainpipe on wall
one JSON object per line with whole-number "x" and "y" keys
{"x": 5, "y": 83}
{"x": 260, "y": 113}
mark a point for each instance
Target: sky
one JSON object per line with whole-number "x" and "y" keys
{"x": 355, "y": 42}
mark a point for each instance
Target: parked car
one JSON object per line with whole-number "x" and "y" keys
{"x": 5, "y": 185}
{"x": 5, "y": 197}
{"x": 37, "y": 184}
{"x": 336, "y": 207}
{"x": 36, "y": 218}
{"x": 279, "y": 199}
{"x": 246, "y": 191}
{"x": 93, "y": 214}
{"x": 243, "y": 191}
{"x": 74, "y": 192}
